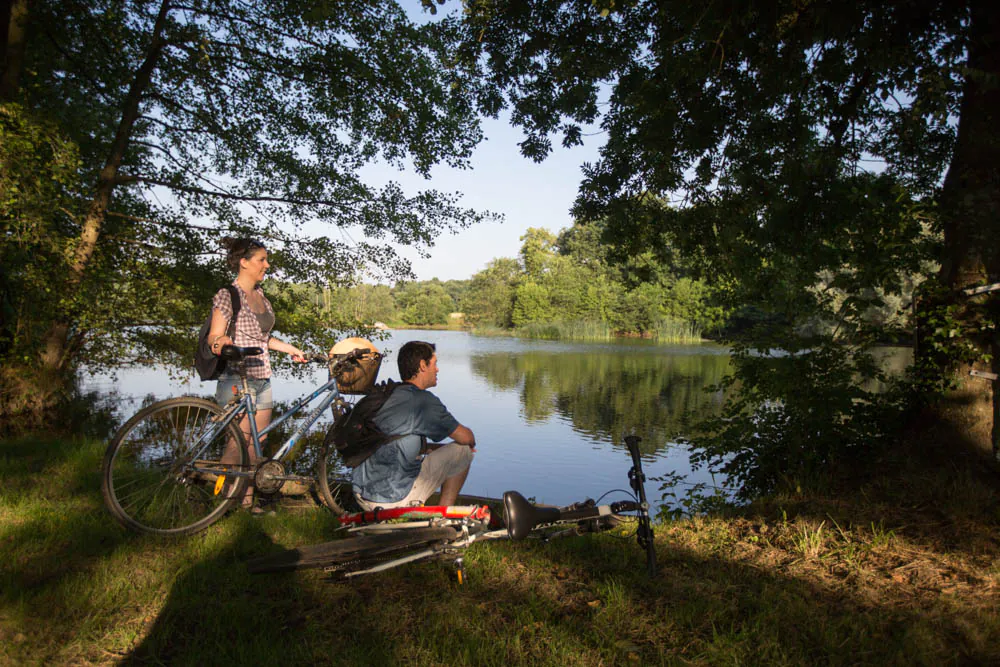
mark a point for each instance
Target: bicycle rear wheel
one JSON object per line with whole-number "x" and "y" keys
{"x": 357, "y": 551}
{"x": 160, "y": 471}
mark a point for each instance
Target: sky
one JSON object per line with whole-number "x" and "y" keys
{"x": 500, "y": 180}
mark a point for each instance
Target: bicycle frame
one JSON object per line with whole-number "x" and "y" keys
{"x": 245, "y": 405}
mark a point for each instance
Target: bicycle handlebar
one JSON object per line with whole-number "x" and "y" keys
{"x": 521, "y": 517}
{"x": 236, "y": 353}
{"x": 637, "y": 479}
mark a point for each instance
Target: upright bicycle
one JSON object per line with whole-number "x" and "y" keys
{"x": 179, "y": 465}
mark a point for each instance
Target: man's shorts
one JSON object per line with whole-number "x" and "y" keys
{"x": 444, "y": 462}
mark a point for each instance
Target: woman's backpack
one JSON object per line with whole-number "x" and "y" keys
{"x": 210, "y": 365}
{"x": 355, "y": 434}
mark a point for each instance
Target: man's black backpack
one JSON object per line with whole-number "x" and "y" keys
{"x": 355, "y": 434}
{"x": 209, "y": 365}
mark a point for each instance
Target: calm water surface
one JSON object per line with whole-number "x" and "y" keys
{"x": 548, "y": 416}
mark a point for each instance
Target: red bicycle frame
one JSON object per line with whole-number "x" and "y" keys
{"x": 478, "y": 512}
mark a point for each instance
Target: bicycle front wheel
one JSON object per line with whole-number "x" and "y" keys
{"x": 161, "y": 471}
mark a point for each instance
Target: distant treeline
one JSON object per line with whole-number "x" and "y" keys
{"x": 559, "y": 286}
{"x": 573, "y": 285}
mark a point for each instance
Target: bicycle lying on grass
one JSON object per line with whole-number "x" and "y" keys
{"x": 164, "y": 472}
{"x": 384, "y": 539}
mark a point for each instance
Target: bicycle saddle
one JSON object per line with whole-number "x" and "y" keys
{"x": 234, "y": 353}
{"x": 521, "y": 516}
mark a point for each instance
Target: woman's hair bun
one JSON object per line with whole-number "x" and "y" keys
{"x": 237, "y": 249}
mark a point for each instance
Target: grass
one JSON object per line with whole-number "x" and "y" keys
{"x": 580, "y": 330}
{"x": 894, "y": 573}
{"x": 670, "y": 330}
{"x": 666, "y": 331}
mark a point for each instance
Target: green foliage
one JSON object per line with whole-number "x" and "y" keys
{"x": 142, "y": 133}
{"x": 363, "y": 303}
{"x": 671, "y": 330}
{"x": 38, "y": 171}
{"x": 578, "y": 330}
{"x": 794, "y": 156}
{"x": 537, "y": 249}
{"x": 489, "y": 298}
{"x": 565, "y": 286}
{"x": 423, "y": 302}
{"x": 799, "y": 417}
{"x": 531, "y": 304}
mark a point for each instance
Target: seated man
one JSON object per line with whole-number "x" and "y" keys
{"x": 395, "y": 475}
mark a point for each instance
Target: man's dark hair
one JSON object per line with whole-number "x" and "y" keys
{"x": 410, "y": 356}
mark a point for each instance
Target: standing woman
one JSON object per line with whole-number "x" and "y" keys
{"x": 247, "y": 258}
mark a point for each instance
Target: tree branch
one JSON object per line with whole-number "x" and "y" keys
{"x": 247, "y": 198}
{"x": 163, "y": 223}
{"x": 262, "y": 27}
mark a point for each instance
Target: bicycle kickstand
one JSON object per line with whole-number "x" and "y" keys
{"x": 460, "y": 570}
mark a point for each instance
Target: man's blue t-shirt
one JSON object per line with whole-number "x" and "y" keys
{"x": 388, "y": 474}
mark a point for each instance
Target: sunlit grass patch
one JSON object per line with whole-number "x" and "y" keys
{"x": 809, "y": 540}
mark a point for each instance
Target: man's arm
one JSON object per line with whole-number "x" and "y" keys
{"x": 463, "y": 436}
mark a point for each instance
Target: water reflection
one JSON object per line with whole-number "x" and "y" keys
{"x": 603, "y": 393}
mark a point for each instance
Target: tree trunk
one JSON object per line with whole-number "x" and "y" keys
{"x": 55, "y": 355}
{"x": 13, "y": 16}
{"x": 970, "y": 209}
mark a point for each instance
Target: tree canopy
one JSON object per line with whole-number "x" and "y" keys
{"x": 135, "y": 134}
{"x": 773, "y": 141}
{"x": 817, "y": 159}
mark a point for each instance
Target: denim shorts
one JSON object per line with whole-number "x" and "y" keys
{"x": 260, "y": 391}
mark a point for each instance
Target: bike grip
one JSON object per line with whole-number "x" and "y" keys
{"x": 632, "y": 443}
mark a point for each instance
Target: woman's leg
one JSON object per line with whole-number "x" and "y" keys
{"x": 263, "y": 418}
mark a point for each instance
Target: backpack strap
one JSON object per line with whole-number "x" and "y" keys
{"x": 237, "y": 303}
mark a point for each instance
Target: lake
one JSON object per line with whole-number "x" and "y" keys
{"x": 548, "y": 416}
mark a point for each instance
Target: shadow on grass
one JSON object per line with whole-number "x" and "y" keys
{"x": 78, "y": 589}
{"x": 55, "y": 526}
{"x": 711, "y": 608}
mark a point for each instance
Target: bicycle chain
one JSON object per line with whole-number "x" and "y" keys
{"x": 373, "y": 560}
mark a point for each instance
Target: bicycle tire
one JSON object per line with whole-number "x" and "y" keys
{"x": 331, "y": 476}
{"x": 351, "y": 549}
{"x": 148, "y": 458}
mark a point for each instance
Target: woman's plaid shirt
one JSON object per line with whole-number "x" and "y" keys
{"x": 248, "y": 333}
